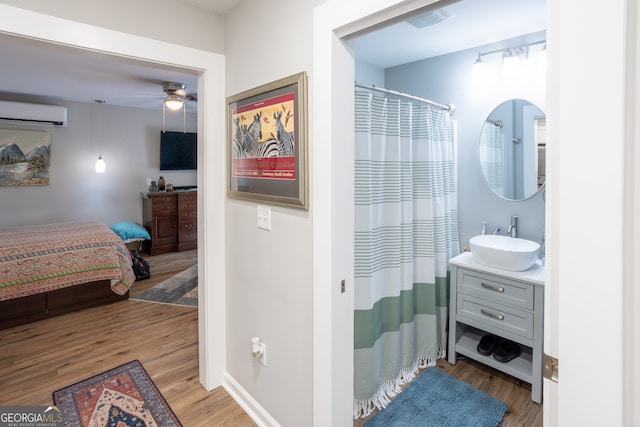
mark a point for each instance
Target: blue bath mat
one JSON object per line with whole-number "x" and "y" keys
{"x": 439, "y": 400}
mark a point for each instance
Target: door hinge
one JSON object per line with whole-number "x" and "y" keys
{"x": 550, "y": 368}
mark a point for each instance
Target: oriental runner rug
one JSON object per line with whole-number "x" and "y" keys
{"x": 122, "y": 396}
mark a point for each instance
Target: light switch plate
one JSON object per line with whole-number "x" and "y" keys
{"x": 264, "y": 217}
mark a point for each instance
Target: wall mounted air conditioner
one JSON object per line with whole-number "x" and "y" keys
{"x": 35, "y": 114}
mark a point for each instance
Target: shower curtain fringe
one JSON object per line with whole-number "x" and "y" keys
{"x": 391, "y": 388}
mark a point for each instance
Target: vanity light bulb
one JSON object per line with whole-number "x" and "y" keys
{"x": 542, "y": 61}
{"x": 510, "y": 66}
{"x": 479, "y": 70}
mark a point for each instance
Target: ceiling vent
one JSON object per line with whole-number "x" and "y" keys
{"x": 431, "y": 18}
{"x": 35, "y": 114}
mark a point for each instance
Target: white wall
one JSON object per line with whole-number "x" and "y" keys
{"x": 269, "y": 273}
{"x": 370, "y": 75}
{"x": 449, "y": 79}
{"x": 193, "y": 27}
{"x": 130, "y": 145}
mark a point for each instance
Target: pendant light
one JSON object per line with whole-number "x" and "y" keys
{"x": 100, "y": 164}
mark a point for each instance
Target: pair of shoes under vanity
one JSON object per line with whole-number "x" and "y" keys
{"x": 504, "y": 351}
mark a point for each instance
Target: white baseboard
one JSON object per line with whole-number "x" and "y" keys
{"x": 257, "y": 413}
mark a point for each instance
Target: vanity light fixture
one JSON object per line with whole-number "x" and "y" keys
{"x": 510, "y": 57}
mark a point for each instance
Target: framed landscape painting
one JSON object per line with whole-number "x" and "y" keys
{"x": 267, "y": 143}
{"x": 24, "y": 157}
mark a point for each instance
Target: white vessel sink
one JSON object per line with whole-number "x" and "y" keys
{"x": 507, "y": 253}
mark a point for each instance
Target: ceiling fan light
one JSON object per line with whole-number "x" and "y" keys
{"x": 173, "y": 102}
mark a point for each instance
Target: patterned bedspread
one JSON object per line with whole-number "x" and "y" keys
{"x": 44, "y": 258}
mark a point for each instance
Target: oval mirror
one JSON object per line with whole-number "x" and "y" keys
{"x": 512, "y": 149}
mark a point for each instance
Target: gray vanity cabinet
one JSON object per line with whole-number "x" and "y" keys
{"x": 508, "y": 304}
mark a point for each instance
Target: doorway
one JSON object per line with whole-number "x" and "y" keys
{"x": 334, "y": 67}
{"x": 211, "y": 254}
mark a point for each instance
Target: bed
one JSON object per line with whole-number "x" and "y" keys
{"x": 52, "y": 269}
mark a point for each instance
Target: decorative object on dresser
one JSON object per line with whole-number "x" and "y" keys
{"x": 54, "y": 269}
{"x": 172, "y": 221}
{"x": 506, "y": 304}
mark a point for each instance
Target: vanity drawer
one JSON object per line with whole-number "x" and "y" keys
{"x": 493, "y": 288}
{"x": 473, "y": 311}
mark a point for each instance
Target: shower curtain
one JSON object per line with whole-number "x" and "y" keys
{"x": 492, "y": 156}
{"x": 406, "y": 230}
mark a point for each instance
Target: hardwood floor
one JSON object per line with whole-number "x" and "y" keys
{"x": 41, "y": 357}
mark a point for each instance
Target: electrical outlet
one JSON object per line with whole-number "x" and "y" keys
{"x": 149, "y": 181}
{"x": 263, "y": 357}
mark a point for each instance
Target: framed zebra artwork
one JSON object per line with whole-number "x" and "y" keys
{"x": 267, "y": 143}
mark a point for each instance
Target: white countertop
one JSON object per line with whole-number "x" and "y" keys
{"x": 535, "y": 274}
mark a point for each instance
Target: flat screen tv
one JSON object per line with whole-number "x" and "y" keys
{"x": 178, "y": 151}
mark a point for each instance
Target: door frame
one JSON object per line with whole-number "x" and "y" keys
{"x": 211, "y": 127}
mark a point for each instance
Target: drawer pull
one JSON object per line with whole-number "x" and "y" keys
{"x": 492, "y": 315}
{"x": 491, "y": 287}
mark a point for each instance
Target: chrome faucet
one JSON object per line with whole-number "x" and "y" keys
{"x": 513, "y": 228}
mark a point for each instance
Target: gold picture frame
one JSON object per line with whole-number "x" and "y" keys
{"x": 267, "y": 157}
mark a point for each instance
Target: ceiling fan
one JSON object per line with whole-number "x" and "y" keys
{"x": 176, "y": 95}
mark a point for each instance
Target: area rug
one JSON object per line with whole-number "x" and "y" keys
{"x": 439, "y": 400}
{"x": 122, "y": 396}
{"x": 180, "y": 289}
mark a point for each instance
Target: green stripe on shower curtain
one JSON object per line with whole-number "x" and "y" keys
{"x": 405, "y": 233}
{"x": 388, "y": 313}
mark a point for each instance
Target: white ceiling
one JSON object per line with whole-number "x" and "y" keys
{"x": 473, "y": 23}
{"x": 59, "y": 72}
{"x": 216, "y": 6}
{"x": 40, "y": 69}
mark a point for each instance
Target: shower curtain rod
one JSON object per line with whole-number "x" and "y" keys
{"x": 449, "y": 107}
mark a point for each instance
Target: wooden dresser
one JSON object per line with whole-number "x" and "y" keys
{"x": 172, "y": 221}
{"x": 187, "y": 220}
